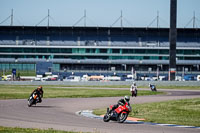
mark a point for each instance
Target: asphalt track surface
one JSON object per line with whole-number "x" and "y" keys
{"x": 59, "y": 114}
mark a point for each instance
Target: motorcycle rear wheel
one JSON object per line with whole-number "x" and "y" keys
{"x": 122, "y": 117}
{"x": 106, "y": 118}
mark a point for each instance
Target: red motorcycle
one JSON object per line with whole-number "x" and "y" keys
{"x": 120, "y": 114}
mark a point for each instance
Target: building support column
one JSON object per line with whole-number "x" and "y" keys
{"x": 172, "y": 40}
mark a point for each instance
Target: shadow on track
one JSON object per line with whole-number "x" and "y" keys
{"x": 133, "y": 122}
{"x": 43, "y": 106}
{"x": 130, "y": 122}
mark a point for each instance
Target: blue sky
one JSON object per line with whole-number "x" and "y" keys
{"x": 136, "y": 13}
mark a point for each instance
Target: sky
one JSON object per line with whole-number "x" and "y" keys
{"x": 104, "y": 13}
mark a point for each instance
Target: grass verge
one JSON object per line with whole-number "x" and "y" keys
{"x": 21, "y": 92}
{"x": 179, "y": 87}
{"x": 181, "y": 112}
{"x": 30, "y": 130}
{"x": 157, "y": 86}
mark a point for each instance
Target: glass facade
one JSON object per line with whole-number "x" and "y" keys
{"x": 24, "y": 67}
{"x": 97, "y": 53}
{"x": 95, "y": 47}
{"x": 10, "y": 66}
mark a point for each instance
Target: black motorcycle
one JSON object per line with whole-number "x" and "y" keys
{"x": 153, "y": 88}
{"x": 33, "y": 99}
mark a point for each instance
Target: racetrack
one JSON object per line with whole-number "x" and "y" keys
{"x": 59, "y": 113}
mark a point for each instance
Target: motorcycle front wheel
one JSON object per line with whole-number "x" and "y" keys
{"x": 29, "y": 103}
{"x": 106, "y": 118}
{"x": 122, "y": 117}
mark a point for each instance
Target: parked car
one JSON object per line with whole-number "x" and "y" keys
{"x": 72, "y": 78}
{"x": 189, "y": 78}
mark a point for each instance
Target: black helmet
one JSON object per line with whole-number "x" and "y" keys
{"x": 39, "y": 87}
{"x": 127, "y": 98}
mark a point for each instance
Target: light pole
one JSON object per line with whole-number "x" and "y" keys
{"x": 172, "y": 40}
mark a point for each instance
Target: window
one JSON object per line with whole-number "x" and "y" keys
{"x": 127, "y": 51}
{"x": 116, "y": 51}
{"x": 41, "y": 50}
{"x": 55, "y": 50}
{"x": 164, "y": 51}
{"x": 66, "y": 50}
{"x": 102, "y": 50}
{"x": 140, "y": 51}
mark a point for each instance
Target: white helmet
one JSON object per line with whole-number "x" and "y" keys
{"x": 149, "y": 84}
{"x": 127, "y": 98}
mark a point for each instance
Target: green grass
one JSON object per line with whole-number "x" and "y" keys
{"x": 181, "y": 112}
{"x": 21, "y": 92}
{"x": 173, "y": 87}
{"x": 30, "y": 130}
{"x": 157, "y": 86}
{"x": 161, "y": 87}
{"x": 180, "y": 87}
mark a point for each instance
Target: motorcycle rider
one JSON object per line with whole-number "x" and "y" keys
{"x": 39, "y": 91}
{"x": 152, "y": 87}
{"x": 133, "y": 89}
{"x": 120, "y": 102}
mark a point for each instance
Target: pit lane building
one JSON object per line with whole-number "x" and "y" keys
{"x": 97, "y": 48}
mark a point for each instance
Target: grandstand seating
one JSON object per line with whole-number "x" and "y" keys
{"x": 41, "y": 39}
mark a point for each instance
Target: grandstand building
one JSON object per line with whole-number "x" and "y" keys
{"x": 97, "y": 48}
